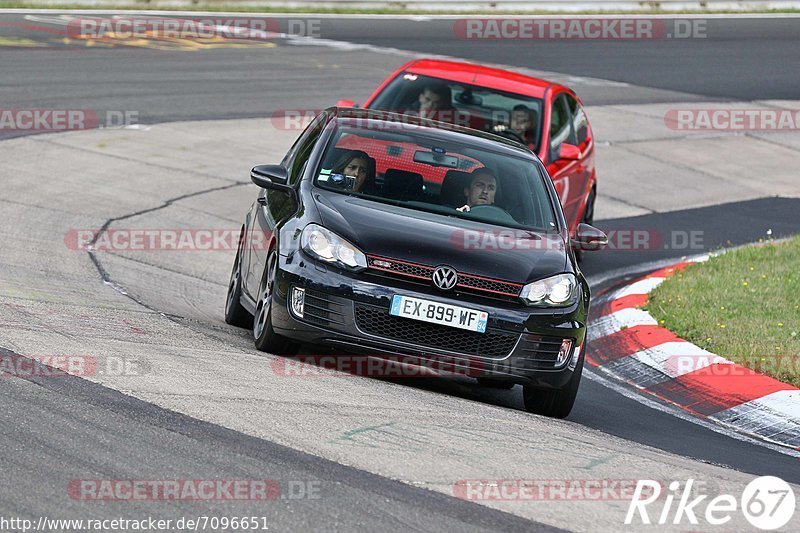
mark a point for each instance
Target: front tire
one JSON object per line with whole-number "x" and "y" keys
{"x": 265, "y": 338}
{"x": 235, "y": 314}
{"x": 555, "y": 403}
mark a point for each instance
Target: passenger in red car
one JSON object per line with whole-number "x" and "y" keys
{"x": 434, "y": 102}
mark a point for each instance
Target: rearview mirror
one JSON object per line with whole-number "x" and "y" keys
{"x": 346, "y": 103}
{"x": 269, "y": 176}
{"x": 569, "y": 152}
{"x": 435, "y": 159}
{"x": 589, "y": 238}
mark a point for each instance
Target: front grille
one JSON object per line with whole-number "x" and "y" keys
{"x": 322, "y": 310}
{"x": 539, "y": 351}
{"x": 489, "y": 285}
{"x": 466, "y": 282}
{"x": 377, "y": 321}
{"x": 403, "y": 268}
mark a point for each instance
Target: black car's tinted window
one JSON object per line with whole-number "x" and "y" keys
{"x": 419, "y": 171}
{"x": 297, "y": 157}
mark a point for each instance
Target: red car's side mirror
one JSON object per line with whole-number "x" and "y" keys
{"x": 569, "y": 151}
{"x": 346, "y": 103}
{"x": 588, "y": 238}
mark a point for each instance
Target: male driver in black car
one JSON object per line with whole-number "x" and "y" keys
{"x": 481, "y": 189}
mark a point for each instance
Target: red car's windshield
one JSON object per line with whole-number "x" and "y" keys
{"x": 512, "y": 115}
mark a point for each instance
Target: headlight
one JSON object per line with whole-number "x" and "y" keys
{"x": 326, "y": 246}
{"x": 556, "y": 291}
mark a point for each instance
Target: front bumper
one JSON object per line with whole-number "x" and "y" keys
{"x": 350, "y": 311}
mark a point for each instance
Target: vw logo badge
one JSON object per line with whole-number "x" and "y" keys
{"x": 445, "y": 278}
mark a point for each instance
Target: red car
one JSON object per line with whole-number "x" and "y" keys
{"x": 546, "y": 116}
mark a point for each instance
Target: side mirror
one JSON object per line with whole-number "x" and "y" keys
{"x": 589, "y": 238}
{"x": 346, "y": 103}
{"x": 270, "y": 177}
{"x": 569, "y": 152}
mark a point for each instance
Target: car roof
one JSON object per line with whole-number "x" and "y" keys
{"x": 444, "y": 130}
{"x": 490, "y": 77}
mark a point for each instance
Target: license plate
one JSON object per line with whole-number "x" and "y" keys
{"x": 439, "y": 313}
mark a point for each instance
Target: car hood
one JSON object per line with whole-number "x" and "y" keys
{"x": 431, "y": 239}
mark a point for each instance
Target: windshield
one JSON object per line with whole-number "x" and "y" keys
{"x": 414, "y": 168}
{"x": 512, "y": 115}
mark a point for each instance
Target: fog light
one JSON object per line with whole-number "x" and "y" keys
{"x": 298, "y": 301}
{"x": 576, "y": 354}
{"x": 564, "y": 352}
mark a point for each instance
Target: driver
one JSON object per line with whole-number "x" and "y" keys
{"x": 358, "y": 166}
{"x": 481, "y": 189}
{"x": 520, "y": 124}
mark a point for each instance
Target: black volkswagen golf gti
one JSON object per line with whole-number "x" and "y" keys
{"x": 392, "y": 235}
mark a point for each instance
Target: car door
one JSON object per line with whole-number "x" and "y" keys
{"x": 272, "y": 206}
{"x": 583, "y": 178}
{"x": 567, "y": 174}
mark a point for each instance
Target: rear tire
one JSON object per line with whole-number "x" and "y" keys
{"x": 555, "y": 403}
{"x": 235, "y": 314}
{"x": 265, "y": 338}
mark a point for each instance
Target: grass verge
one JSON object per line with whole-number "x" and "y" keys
{"x": 743, "y": 305}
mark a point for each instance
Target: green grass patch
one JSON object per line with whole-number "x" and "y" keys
{"x": 267, "y": 8}
{"x": 743, "y": 305}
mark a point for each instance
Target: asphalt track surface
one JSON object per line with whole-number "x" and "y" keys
{"x": 741, "y": 59}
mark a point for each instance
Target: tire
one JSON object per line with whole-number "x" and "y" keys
{"x": 265, "y": 338}
{"x": 235, "y": 314}
{"x": 555, "y": 403}
{"x": 496, "y": 383}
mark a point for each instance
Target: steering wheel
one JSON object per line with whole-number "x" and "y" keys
{"x": 492, "y": 211}
{"x": 513, "y": 135}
